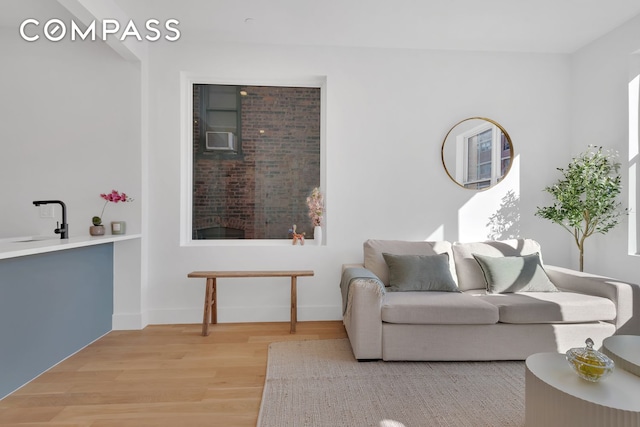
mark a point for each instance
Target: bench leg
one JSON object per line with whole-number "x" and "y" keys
{"x": 214, "y": 302}
{"x": 210, "y": 309}
{"x": 294, "y": 304}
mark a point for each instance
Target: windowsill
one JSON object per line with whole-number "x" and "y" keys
{"x": 248, "y": 242}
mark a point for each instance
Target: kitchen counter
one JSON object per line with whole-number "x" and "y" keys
{"x": 56, "y": 297}
{"x": 59, "y": 295}
{"x": 22, "y": 246}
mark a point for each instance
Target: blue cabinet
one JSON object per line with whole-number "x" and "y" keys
{"x": 52, "y": 305}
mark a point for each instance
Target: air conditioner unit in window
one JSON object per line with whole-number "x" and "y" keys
{"x": 220, "y": 141}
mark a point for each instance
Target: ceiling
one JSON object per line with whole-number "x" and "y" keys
{"x": 554, "y": 26}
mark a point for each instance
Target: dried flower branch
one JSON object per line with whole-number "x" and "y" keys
{"x": 315, "y": 202}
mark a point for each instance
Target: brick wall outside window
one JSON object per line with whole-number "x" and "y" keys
{"x": 263, "y": 191}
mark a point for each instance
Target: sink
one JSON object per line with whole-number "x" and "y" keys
{"x": 25, "y": 239}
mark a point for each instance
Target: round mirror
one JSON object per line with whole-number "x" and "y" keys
{"x": 477, "y": 153}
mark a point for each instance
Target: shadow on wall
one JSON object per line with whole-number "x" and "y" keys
{"x": 505, "y": 222}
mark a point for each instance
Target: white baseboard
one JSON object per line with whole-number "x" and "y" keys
{"x": 244, "y": 314}
{"x": 128, "y": 321}
{"x": 175, "y": 316}
{"x": 314, "y": 312}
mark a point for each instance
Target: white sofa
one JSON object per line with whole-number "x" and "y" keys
{"x": 470, "y": 323}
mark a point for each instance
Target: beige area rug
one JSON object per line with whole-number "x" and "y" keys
{"x": 319, "y": 383}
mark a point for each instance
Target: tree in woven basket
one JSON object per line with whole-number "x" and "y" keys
{"x": 586, "y": 196}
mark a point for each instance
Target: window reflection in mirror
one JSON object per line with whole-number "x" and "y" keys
{"x": 477, "y": 153}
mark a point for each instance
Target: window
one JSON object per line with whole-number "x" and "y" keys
{"x": 486, "y": 155}
{"x": 255, "y": 159}
{"x": 634, "y": 157}
{"x": 217, "y": 120}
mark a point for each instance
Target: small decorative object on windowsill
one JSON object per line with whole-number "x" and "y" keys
{"x": 315, "y": 202}
{"x": 317, "y": 235}
{"x": 117, "y": 227}
{"x": 297, "y": 237}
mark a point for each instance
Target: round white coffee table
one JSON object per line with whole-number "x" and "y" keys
{"x": 556, "y": 396}
{"x": 625, "y": 352}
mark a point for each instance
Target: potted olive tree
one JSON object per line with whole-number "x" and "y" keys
{"x": 585, "y": 198}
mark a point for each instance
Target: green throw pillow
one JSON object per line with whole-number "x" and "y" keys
{"x": 514, "y": 274}
{"x": 419, "y": 273}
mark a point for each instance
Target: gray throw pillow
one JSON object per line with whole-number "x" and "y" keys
{"x": 419, "y": 273}
{"x": 514, "y": 274}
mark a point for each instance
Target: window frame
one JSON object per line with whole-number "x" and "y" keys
{"x": 187, "y": 80}
{"x": 633, "y": 158}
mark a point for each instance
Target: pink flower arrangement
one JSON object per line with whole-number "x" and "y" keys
{"x": 315, "y": 202}
{"x": 114, "y": 197}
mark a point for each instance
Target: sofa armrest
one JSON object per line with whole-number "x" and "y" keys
{"x": 362, "y": 315}
{"x": 625, "y": 296}
{"x": 345, "y": 266}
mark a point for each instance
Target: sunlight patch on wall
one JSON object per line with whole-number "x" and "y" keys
{"x": 493, "y": 214}
{"x": 437, "y": 235}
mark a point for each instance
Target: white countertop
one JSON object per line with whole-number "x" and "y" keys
{"x": 30, "y": 245}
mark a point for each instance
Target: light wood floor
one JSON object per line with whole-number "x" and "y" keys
{"x": 160, "y": 376}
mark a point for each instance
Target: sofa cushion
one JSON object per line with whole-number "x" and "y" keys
{"x": 437, "y": 308}
{"x": 374, "y": 261}
{"x": 419, "y": 273}
{"x": 551, "y": 307}
{"x": 469, "y": 273}
{"x": 514, "y": 274}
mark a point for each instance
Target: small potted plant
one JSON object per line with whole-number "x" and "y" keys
{"x": 97, "y": 229}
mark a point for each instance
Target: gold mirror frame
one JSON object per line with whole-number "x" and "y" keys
{"x": 450, "y": 169}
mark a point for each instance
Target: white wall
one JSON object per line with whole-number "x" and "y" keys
{"x": 599, "y": 102}
{"x": 69, "y": 130}
{"x": 387, "y": 113}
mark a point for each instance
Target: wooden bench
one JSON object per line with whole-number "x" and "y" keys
{"x": 211, "y": 299}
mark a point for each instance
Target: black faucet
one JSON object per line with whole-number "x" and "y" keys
{"x": 64, "y": 230}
